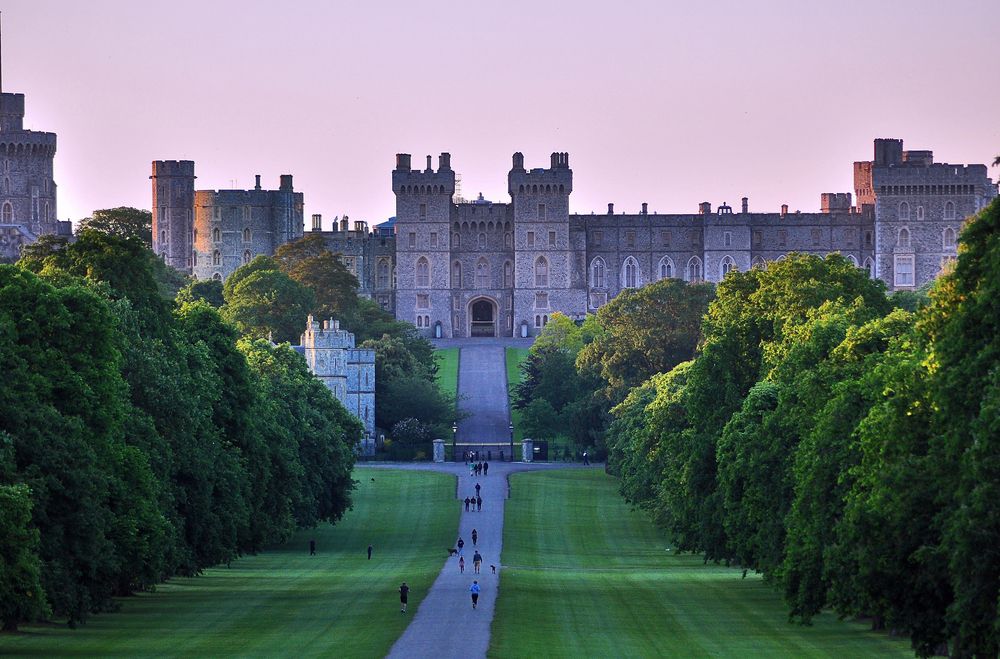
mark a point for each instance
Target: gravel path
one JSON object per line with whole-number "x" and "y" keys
{"x": 482, "y": 391}
{"x": 445, "y": 625}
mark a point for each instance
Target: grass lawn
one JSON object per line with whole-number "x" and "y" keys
{"x": 284, "y": 602}
{"x": 514, "y": 357}
{"x": 447, "y": 361}
{"x": 585, "y": 576}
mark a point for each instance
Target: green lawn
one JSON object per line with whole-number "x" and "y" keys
{"x": 585, "y": 576}
{"x": 447, "y": 361}
{"x": 284, "y": 602}
{"x": 514, "y": 357}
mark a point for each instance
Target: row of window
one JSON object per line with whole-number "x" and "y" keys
{"x": 217, "y": 257}
{"x": 8, "y": 211}
{"x": 904, "y": 211}
{"x": 926, "y": 189}
{"x": 948, "y": 237}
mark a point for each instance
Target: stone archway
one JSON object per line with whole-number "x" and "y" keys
{"x": 483, "y": 317}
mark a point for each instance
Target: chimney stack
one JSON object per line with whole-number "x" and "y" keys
{"x": 784, "y": 210}
{"x": 611, "y": 209}
{"x": 286, "y": 183}
{"x": 745, "y": 205}
{"x": 444, "y": 162}
{"x": 317, "y": 224}
{"x": 518, "y": 165}
{"x": 429, "y": 168}
{"x": 645, "y": 208}
{"x": 705, "y": 208}
{"x": 403, "y": 162}
{"x": 257, "y": 186}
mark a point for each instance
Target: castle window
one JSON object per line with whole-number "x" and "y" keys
{"x": 163, "y": 236}
{"x": 423, "y": 272}
{"x": 949, "y": 210}
{"x": 665, "y": 268}
{"x": 456, "y": 240}
{"x": 194, "y": 258}
{"x": 694, "y": 269}
{"x": 482, "y": 274}
{"x": 411, "y": 240}
{"x": 531, "y": 238}
{"x": 597, "y": 273}
{"x": 552, "y": 238}
{"x": 509, "y": 302}
{"x": 423, "y": 210}
{"x": 758, "y": 263}
{"x": 903, "y": 239}
{"x": 854, "y": 261}
{"x": 541, "y": 271}
{"x": 247, "y": 256}
{"x": 541, "y": 300}
{"x": 727, "y": 239}
{"x": 904, "y": 211}
{"x": 869, "y": 267}
{"x": 541, "y": 211}
{"x": 758, "y": 238}
{"x": 216, "y": 235}
{"x": 508, "y": 274}
{"x": 6, "y": 185}
{"x": 666, "y": 238}
{"x": 383, "y": 273}
{"x": 218, "y": 212}
{"x": 816, "y": 236}
{"x": 434, "y": 239}
{"x": 351, "y": 264}
{"x": 423, "y": 301}
{"x": 630, "y": 273}
{"x": 420, "y": 321}
{"x": 216, "y": 257}
{"x": 695, "y": 237}
{"x": 538, "y": 320}
{"x": 246, "y": 213}
{"x": 217, "y": 276}
{"x": 949, "y": 238}
{"x": 868, "y": 239}
{"x": 920, "y": 212}
{"x": 903, "y": 270}
{"x": 598, "y": 238}
{"x": 456, "y": 275}
{"x": 782, "y": 237}
{"x": 481, "y": 240}
{"x": 508, "y": 240}
{"x": 247, "y": 235}
{"x": 726, "y": 266}
{"x": 630, "y": 238}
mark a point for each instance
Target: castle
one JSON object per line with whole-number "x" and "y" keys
{"x": 348, "y": 372}
{"x": 481, "y": 268}
{"x": 27, "y": 190}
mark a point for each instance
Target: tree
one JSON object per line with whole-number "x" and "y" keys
{"x": 262, "y": 301}
{"x": 309, "y": 262}
{"x": 123, "y": 222}
{"x": 206, "y": 290}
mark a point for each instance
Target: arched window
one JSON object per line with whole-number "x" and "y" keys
{"x": 869, "y": 267}
{"x": 383, "y": 273}
{"x": 508, "y": 240}
{"x": 904, "y": 211}
{"x": 758, "y": 263}
{"x": 630, "y": 273}
{"x": 423, "y": 272}
{"x": 508, "y": 274}
{"x": 482, "y": 241}
{"x": 694, "y": 269}
{"x": 456, "y": 275}
{"x": 597, "y": 273}
{"x": 216, "y": 257}
{"x": 420, "y": 321}
{"x": 665, "y": 269}
{"x": 247, "y": 256}
{"x": 456, "y": 239}
{"x": 920, "y": 212}
{"x": 726, "y": 266}
{"x": 541, "y": 271}
{"x": 217, "y": 276}
{"x": 854, "y": 261}
{"x": 949, "y": 238}
{"x": 6, "y": 185}
{"x": 903, "y": 240}
{"x": 482, "y": 274}
{"x": 216, "y": 234}
{"x": 163, "y": 235}
{"x": 8, "y": 212}
{"x": 194, "y": 259}
{"x": 949, "y": 210}
{"x": 247, "y": 235}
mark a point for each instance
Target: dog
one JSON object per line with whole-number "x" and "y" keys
{"x": 494, "y": 568}
{"x": 452, "y": 552}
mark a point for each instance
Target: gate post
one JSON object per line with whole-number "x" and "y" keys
{"x": 527, "y": 450}
{"x": 438, "y": 450}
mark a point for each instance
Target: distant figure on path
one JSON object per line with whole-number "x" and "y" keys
{"x": 477, "y": 489}
{"x": 479, "y": 503}
{"x": 475, "y": 537}
{"x": 461, "y": 564}
{"x": 501, "y": 456}
{"x": 466, "y": 504}
{"x": 312, "y": 547}
{"x": 586, "y": 460}
{"x": 404, "y": 590}
{"x": 477, "y": 560}
{"x": 474, "y": 589}
{"x": 461, "y": 543}
{"x": 486, "y": 469}
{"x": 370, "y": 548}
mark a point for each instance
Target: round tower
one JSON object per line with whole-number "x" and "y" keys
{"x": 173, "y": 212}
{"x": 27, "y": 191}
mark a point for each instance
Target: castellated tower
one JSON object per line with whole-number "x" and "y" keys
{"x": 173, "y": 208}
{"x": 547, "y": 277}
{"x": 27, "y": 191}
{"x": 423, "y": 214}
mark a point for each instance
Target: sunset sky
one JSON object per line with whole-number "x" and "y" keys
{"x": 664, "y": 102}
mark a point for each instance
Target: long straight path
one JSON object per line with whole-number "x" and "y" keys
{"x": 482, "y": 391}
{"x": 445, "y": 625}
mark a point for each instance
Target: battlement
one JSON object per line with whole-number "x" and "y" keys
{"x": 327, "y": 335}
{"x": 173, "y": 168}
{"x": 427, "y": 181}
{"x": 11, "y": 112}
{"x": 557, "y": 179}
{"x": 835, "y": 202}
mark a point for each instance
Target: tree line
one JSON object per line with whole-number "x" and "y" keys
{"x": 143, "y": 438}
{"x": 841, "y": 441}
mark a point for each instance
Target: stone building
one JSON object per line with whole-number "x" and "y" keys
{"x": 210, "y": 233}
{"x": 348, "y": 372}
{"x": 27, "y": 190}
{"x": 496, "y": 269}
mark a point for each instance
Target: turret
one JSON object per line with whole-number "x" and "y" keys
{"x": 173, "y": 211}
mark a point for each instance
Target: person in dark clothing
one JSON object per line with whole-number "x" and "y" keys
{"x": 479, "y": 503}
{"x": 312, "y": 547}
{"x": 370, "y": 548}
{"x": 477, "y": 561}
{"x": 461, "y": 543}
{"x": 486, "y": 468}
{"x": 586, "y": 460}
{"x": 477, "y": 489}
{"x": 404, "y": 590}
{"x": 466, "y": 504}
{"x": 475, "y": 537}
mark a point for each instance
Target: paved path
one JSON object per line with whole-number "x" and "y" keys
{"x": 482, "y": 390}
{"x": 445, "y": 625}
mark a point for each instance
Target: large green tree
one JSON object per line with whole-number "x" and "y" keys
{"x": 262, "y": 301}
{"x": 123, "y": 222}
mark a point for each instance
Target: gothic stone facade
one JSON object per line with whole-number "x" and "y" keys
{"x": 348, "y": 372}
{"x": 501, "y": 269}
{"x": 210, "y": 233}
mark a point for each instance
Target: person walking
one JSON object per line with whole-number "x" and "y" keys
{"x": 312, "y": 547}
{"x": 404, "y": 590}
{"x": 461, "y": 543}
{"x": 475, "y": 537}
{"x": 486, "y": 468}
{"x": 466, "y": 504}
{"x": 477, "y": 561}
{"x": 461, "y": 564}
{"x": 370, "y": 548}
{"x": 474, "y": 589}
{"x": 477, "y": 489}
{"x": 586, "y": 460}
{"x": 479, "y": 503}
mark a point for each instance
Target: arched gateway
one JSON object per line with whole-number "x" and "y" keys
{"x": 483, "y": 317}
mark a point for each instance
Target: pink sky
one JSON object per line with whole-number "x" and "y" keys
{"x": 668, "y": 103}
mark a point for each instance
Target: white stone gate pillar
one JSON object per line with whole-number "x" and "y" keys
{"x": 438, "y": 450}
{"x": 527, "y": 450}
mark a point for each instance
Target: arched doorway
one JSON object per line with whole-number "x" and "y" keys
{"x": 483, "y": 317}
